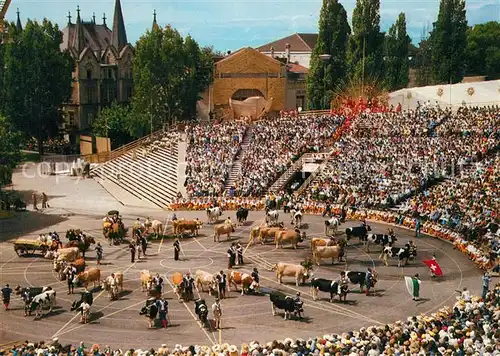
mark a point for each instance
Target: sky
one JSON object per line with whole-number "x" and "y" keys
{"x": 232, "y": 24}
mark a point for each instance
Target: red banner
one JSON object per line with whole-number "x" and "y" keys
{"x": 434, "y": 267}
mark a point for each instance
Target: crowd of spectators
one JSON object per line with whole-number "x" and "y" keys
{"x": 387, "y": 156}
{"x": 276, "y": 143}
{"x": 470, "y": 327}
{"x": 160, "y": 140}
{"x": 210, "y": 154}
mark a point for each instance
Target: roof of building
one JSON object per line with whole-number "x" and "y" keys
{"x": 243, "y": 50}
{"x": 299, "y": 42}
{"x": 297, "y": 68}
{"x": 97, "y": 37}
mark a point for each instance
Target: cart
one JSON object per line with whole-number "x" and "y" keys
{"x": 25, "y": 247}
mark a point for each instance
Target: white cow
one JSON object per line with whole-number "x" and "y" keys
{"x": 213, "y": 214}
{"x": 42, "y": 301}
{"x": 297, "y": 219}
{"x": 205, "y": 279}
{"x": 272, "y": 217}
{"x": 331, "y": 226}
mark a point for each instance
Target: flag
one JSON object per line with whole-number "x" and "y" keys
{"x": 434, "y": 266}
{"x": 409, "y": 285}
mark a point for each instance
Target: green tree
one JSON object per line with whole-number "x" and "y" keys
{"x": 397, "y": 44}
{"x": 449, "y": 42}
{"x": 119, "y": 125}
{"x": 9, "y": 150}
{"x": 483, "y": 50}
{"x": 169, "y": 75}
{"x": 366, "y": 42}
{"x": 332, "y": 40}
{"x": 37, "y": 80}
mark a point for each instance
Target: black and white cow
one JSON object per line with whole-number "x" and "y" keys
{"x": 378, "y": 239}
{"x": 328, "y": 286}
{"x": 213, "y": 214}
{"x": 401, "y": 253}
{"x": 272, "y": 217}
{"x": 358, "y": 231}
{"x": 359, "y": 278}
{"x": 331, "y": 226}
{"x": 296, "y": 218}
{"x": 284, "y": 302}
{"x": 42, "y": 301}
{"x": 241, "y": 215}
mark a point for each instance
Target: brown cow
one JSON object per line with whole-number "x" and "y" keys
{"x": 292, "y": 237}
{"x": 244, "y": 279}
{"x": 291, "y": 270}
{"x": 223, "y": 229}
{"x": 333, "y": 252}
{"x": 92, "y": 275}
{"x": 179, "y": 226}
{"x": 146, "y": 280}
{"x": 268, "y": 232}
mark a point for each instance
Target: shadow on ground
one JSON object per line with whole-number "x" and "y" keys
{"x": 26, "y": 222}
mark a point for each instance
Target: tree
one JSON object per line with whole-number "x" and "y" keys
{"x": 37, "y": 80}
{"x": 10, "y": 154}
{"x": 449, "y": 42}
{"x": 332, "y": 39}
{"x": 423, "y": 60}
{"x": 366, "y": 41}
{"x": 169, "y": 75}
{"x": 483, "y": 50}
{"x": 397, "y": 62}
{"x": 119, "y": 125}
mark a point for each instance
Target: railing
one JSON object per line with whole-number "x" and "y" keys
{"x": 314, "y": 112}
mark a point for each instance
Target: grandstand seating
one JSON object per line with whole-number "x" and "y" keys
{"x": 150, "y": 176}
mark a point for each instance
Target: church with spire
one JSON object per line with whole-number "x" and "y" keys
{"x": 103, "y": 66}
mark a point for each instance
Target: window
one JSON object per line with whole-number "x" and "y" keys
{"x": 90, "y": 118}
{"x": 90, "y": 95}
{"x": 89, "y": 73}
{"x": 71, "y": 118}
{"x": 128, "y": 93}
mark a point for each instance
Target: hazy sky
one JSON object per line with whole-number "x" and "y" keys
{"x": 237, "y": 23}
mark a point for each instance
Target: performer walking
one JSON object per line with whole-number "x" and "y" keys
{"x": 231, "y": 254}
{"x": 132, "y": 252}
{"x": 217, "y": 311}
{"x": 99, "y": 252}
{"x": 177, "y": 249}
{"x": 416, "y": 287}
{"x": 368, "y": 281}
{"x": 162, "y": 311}
{"x": 6, "y": 292}
{"x": 70, "y": 276}
{"x": 239, "y": 251}
{"x": 221, "y": 282}
{"x": 158, "y": 284}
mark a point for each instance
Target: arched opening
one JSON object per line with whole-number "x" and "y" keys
{"x": 242, "y": 94}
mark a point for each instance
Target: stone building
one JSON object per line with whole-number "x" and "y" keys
{"x": 103, "y": 67}
{"x": 299, "y": 45}
{"x": 248, "y": 73}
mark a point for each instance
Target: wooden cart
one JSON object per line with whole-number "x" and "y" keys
{"x": 25, "y": 247}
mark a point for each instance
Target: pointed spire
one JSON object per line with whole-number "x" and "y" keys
{"x": 69, "y": 17}
{"x": 104, "y": 19}
{"x": 79, "y": 36}
{"x": 19, "y": 26}
{"x": 155, "y": 24}
{"x": 119, "y": 39}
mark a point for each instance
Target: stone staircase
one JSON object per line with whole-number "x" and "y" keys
{"x": 151, "y": 177}
{"x": 237, "y": 164}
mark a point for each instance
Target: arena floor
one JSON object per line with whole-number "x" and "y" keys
{"x": 245, "y": 318}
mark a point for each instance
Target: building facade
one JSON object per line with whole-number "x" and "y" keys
{"x": 103, "y": 67}
{"x": 249, "y": 73}
{"x": 299, "y": 45}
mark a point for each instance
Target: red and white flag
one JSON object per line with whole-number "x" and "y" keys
{"x": 434, "y": 266}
